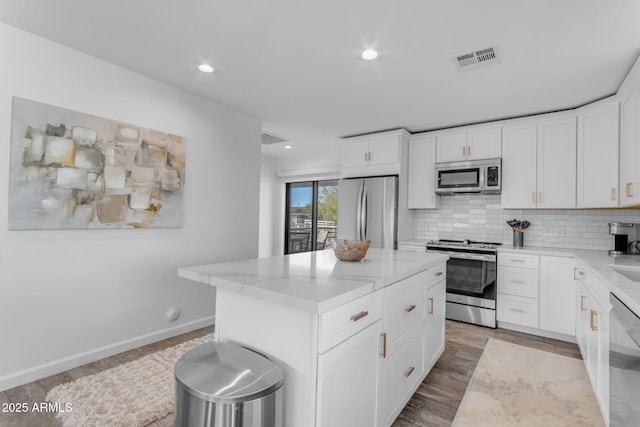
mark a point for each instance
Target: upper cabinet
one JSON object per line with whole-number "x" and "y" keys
{"x": 482, "y": 143}
{"x": 630, "y": 148}
{"x": 598, "y": 138}
{"x": 422, "y": 174}
{"x": 375, "y": 154}
{"x": 539, "y": 164}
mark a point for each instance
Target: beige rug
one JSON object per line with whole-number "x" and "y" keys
{"x": 133, "y": 394}
{"x": 514, "y": 385}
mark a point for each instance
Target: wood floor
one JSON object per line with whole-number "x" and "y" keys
{"x": 434, "y": 404}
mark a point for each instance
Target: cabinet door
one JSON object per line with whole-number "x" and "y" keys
{"x": 582, "y": 321}
{"x": 557, "y": 295}
{"x": 598, "y": 156}
{"x": 355, "y": 153}
{"x": 436, "y": 305}
{"x": 519, "y": 166}
{"x": 484, "y": 143}
{"x": 627, "y": 150}
{"x": 349, "y": 381}
{"x": 451, "y": 147}
{"x": 556, "y": 183}
{"x": 422, "y": 179}
{"x": 384, "y": 150}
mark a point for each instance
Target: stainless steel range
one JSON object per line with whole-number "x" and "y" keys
{"x": 471, "y": 280}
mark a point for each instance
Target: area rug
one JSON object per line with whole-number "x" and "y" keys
{"x": 514, "y": 385}
{"x": 133, "y": 394}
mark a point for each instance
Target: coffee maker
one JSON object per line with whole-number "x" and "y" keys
{"x": 621, "y": 232}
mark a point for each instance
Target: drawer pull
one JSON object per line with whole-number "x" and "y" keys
{"x": 409, "y": 371}
{"x": 518, "y": 260}
{"x": 410, "y": 308}
{"x": 517, "y": 310}
{"x": 518, "y": 282}
{"x": 628, "y": 188}
{"x": 384, "y": 345}
{"x": 594, "y": 321}
{"x": 582, "y": 307}
{"x": 359, "y": 316}
{"x": 439, "y": 273}
{"x": 431, "y": 305}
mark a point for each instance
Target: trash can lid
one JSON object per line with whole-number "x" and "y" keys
{"x": 227, "y": 373}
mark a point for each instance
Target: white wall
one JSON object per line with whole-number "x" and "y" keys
{"x": 69, "y": 297}
{"x": 271, "y": 208}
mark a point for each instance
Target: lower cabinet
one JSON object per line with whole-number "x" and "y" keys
{"x": 592, "y": 335}
{"x": 403, "y": 370}
{"x": 349, "y": 387}
{"x": 435, "y": 330}
{"x": 557, "y": 295}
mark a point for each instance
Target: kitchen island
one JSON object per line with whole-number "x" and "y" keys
{"x": 355, "y": 339}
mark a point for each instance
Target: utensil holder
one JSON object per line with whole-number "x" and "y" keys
{"x": 518, "y": 239}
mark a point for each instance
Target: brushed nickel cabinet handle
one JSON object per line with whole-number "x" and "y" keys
{"x": 431, "y": 305}
{"x": 518, "y": 260}
{"x": 410, "y": 308}
{"x": 409, "y": 371}
{"x": 628, "y": 189}
{"x": 517, "y": 310}
{"x": 359, "y": 316}
{"x": 582, "y": 307}
{"x": 384, "y": 345}
{"x": 518, "y": 282}
{"x": 594, "y": 322}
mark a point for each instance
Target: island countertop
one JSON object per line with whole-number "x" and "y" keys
{"x": 313, "y": 281}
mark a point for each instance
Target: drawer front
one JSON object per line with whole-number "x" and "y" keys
{"x": 437, "y": 274}
{"x": 401, "y": 372}
{"x": 404, "y": 305}
{"x": 517, "y": 310}
{"x": 338, "y": 324}
{"x": 517, "y": 260}
{"x": 518, "y": 281}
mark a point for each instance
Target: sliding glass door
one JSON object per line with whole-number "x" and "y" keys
{"x": 311, "y": 215}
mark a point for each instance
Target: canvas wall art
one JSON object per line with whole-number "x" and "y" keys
{"x": 71, "y": 170}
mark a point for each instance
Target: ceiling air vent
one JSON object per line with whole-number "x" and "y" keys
{"x": 470, "y": 60}
{"x": 269, "y": 138}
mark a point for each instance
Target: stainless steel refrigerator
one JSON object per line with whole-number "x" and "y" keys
{"x": 368, "y": 209}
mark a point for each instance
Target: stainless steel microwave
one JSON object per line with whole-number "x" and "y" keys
{"x": 473, "y": 176}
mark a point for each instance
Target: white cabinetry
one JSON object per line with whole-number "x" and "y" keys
{"x": 539, "y": 164}
{"x": 598, "y": 155}
{"x": 482, "y": 143}
{"x": 630, "y": 148}
{"x": 436, "y": 305}
{"x": 422, "y": 181}
{"x": 592, "y": 330}
{"x": 351, "y": 372}
{"x": 518, "y": 289}
{"x": 557, "y": 295}
{"x": 376, "y": 154}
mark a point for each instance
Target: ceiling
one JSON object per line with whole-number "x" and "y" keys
{"x": 296, "y": 65}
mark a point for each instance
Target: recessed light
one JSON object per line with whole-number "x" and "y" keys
{"x": 206, "y": 68}
{"x": 370, "y": 54}
{"x": 288, "y": 147}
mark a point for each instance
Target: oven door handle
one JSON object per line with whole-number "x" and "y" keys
{"x": 466, "y": 255}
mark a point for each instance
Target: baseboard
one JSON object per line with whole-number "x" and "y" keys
{"x": 536, "y": 331}
{"x": 51, "y": 368}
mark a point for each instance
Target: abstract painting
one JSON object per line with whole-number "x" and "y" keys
{"x": 71, "y": 170}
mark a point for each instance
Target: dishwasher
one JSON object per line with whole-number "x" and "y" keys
{"x": 624, "y": 365}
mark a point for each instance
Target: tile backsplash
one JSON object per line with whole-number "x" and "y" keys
{"x": 481, "y": 217}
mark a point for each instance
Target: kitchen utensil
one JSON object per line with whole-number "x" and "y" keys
{"x": 514, "y": 224}
{"x": 525, "y": 224}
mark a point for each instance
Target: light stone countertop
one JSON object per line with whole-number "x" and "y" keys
{"x": 313, "y": 281}
{"x": 598, "y": 263}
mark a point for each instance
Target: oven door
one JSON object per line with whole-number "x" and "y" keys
{"x": 624, "y": 365}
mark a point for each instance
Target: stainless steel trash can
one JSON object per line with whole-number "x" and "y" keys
{"x": 221, "y": 384}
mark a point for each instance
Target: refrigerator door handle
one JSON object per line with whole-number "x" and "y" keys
{"x": 359, "y": 213}
{"x": 364, "y": 214}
